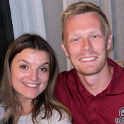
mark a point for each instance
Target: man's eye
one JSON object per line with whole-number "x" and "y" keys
{"x": 95, "y": 36}
{"x": 23, "y": 67}
{"x": 76, "y": 39}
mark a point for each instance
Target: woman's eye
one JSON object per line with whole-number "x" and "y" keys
{"x": 23, "y": 67}
{"x": 44, "y": 69}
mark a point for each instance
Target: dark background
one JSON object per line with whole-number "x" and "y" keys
{"x": 6, "y": 31}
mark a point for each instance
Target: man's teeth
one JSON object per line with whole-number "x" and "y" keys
{"x": 87, "y": 59}
{"x": 31, "y": 85}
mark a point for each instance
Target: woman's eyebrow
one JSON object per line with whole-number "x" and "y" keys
{"x": 23, "y": 61}
{"x": 29, "y": 63}
{"x": 45, "y": 63}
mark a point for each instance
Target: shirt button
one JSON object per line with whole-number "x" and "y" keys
{"x": 94, "y": 110}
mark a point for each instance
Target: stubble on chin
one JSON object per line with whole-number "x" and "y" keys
{"x": 90, "y": 70}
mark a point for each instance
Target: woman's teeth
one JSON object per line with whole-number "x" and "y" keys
{"x": 31, "y": 85}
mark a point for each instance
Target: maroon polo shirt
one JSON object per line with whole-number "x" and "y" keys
{"x": 105, "y": 108}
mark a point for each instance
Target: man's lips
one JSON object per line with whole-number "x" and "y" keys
{"x": 86, "y": 59}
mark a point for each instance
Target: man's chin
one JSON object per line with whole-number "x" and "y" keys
{"x": 89, "y": 72}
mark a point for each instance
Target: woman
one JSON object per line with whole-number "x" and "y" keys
{"x": 30, "y": 70}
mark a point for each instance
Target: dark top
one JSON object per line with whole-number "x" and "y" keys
{"x": 105, "y": 108}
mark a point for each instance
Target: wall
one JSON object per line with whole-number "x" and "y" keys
{"x": 52, "y": 10}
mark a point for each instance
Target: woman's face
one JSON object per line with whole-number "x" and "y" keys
{"x": 30, "y": 73}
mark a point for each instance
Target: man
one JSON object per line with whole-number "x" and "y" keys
{"x": 94, "y": 90}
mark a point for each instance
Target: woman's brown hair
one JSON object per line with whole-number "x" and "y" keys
{"x": 46, "y": 98}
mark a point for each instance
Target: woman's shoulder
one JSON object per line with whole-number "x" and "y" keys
{"x": 5, "y": 115}
{"x": 1, "y": 112}
{"x": 54, "y": 119}
{"x": 26, "y": 119}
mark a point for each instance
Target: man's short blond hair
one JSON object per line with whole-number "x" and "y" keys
{"x": 81, "y": 8}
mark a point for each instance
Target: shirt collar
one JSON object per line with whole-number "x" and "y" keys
{"x": 116, "y": 85}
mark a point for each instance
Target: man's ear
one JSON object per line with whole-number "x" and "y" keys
{"x": 109, "y": 41}
{"x": 64, "y": 48}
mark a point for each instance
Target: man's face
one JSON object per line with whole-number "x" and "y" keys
{"x": 85, "y": 43}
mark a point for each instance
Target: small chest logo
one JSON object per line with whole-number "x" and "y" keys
{"x": 121, "y": 112}
{"x": 121, "y": 119}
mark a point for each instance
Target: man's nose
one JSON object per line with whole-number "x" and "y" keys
{"x": 86, "y": 45}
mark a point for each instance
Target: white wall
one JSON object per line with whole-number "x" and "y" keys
{"x": 52, "y": 10}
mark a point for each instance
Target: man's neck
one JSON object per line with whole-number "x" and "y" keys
{"x": 96, "y": 83}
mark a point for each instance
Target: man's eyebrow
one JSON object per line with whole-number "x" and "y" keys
{"x": 77, "y": 32}
{"x": 96, "y": 30}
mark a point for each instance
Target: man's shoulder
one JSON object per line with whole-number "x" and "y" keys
{"x": 67, "y": 78}
{"x": 66, "y": 74}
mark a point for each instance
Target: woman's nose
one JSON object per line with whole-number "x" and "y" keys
{"x": 33, "y": 75}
